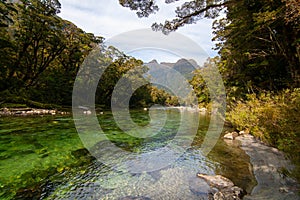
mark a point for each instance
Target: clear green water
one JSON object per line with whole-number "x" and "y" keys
{"x": 44, "y": 158}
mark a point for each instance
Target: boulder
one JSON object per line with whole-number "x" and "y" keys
{"x": 218, "y": 181}
{"x": 224, "y": 188}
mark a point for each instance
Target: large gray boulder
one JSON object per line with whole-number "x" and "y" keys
{"x": 222, "y": 188}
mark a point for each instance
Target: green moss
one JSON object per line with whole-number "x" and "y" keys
{"x": 33, "y": 149}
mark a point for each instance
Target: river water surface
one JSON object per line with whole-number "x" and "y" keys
{"x": 44, "y": 158}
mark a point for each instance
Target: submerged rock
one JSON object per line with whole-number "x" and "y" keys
{"x": 200, "y": 188}
{"x": 222, "y": 188}
{"x": 83, "y": 154}
{"x": 218, "y": 181}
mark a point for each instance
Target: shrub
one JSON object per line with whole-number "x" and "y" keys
{"x": 273, "y": 118}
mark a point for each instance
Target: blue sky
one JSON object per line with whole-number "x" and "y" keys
{"x": 108, "y": 19}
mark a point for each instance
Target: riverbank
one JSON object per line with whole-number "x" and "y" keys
{"x": 30, "y": 112}
{"x": 269, "y": 165}
{"x": 272, "y": 118}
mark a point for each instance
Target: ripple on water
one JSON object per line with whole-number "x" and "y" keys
{"x": 175, "y": 181}
{"x": 43, "y": 145}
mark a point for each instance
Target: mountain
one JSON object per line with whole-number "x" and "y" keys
{"x": 183, "y": 66}
{"x": 173, "y": 77}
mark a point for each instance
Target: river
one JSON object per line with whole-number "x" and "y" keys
{"x": 43, "y": 157}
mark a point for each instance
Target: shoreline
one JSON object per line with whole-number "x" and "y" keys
{"x": 30, "y": 111}
{"x": 23, "y": 112}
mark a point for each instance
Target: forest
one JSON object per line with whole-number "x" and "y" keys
{"x": 258, "y": 44}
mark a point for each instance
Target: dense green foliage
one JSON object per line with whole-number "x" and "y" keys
{"x": 41, "y": 54}
{"x": 259, "y": 41}
{"x": 199, "y": 84}
{"x": 132, "y": 72}
{"x": 270, "y": 117}
{"x": 188, "y": 13}
{"x": 259, "y": 47}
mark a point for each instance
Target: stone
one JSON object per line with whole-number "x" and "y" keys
{"x": 242, "y": 132}
{"x": 217, "y": 181}
{"x": 225, "y": 188}
{"x": 234, "y": 193}
{"x": 267, "y": 165}
{"x": 83, "y": 155}
{"x": 231, "y": 136}
{"x": 284, "y": 190}
{"x": 219, "y": 196}
{"x": 87, "y": 112}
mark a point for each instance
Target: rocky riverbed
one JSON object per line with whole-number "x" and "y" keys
{"x": 268, "y": 166}
{"x": 29, "y": 112}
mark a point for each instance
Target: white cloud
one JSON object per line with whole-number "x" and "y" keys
{"x": 156, "y": 45}
{"x": 108, "y": 19}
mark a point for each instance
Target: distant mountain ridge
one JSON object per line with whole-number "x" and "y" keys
{"x": 183, "y": 66}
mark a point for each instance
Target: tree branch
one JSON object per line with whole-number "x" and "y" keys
{"x": 173, "y": 25}
{"x": 204, "y": 10}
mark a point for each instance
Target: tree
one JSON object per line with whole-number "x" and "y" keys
{"x": 55, "y": 84}
{"x": 259, "y": 40}
{"x": 259, "y": 49}
{"x": 40, "y": 53}
{"x": 143, "y": 8}
{"x": 128, "y": 68}
{"x": 6, "y": 9}
{"x": 188, "y": 13}
{"x": 37, "y": 41}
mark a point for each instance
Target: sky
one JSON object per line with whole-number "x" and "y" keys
{"x": 109, "y": 19}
